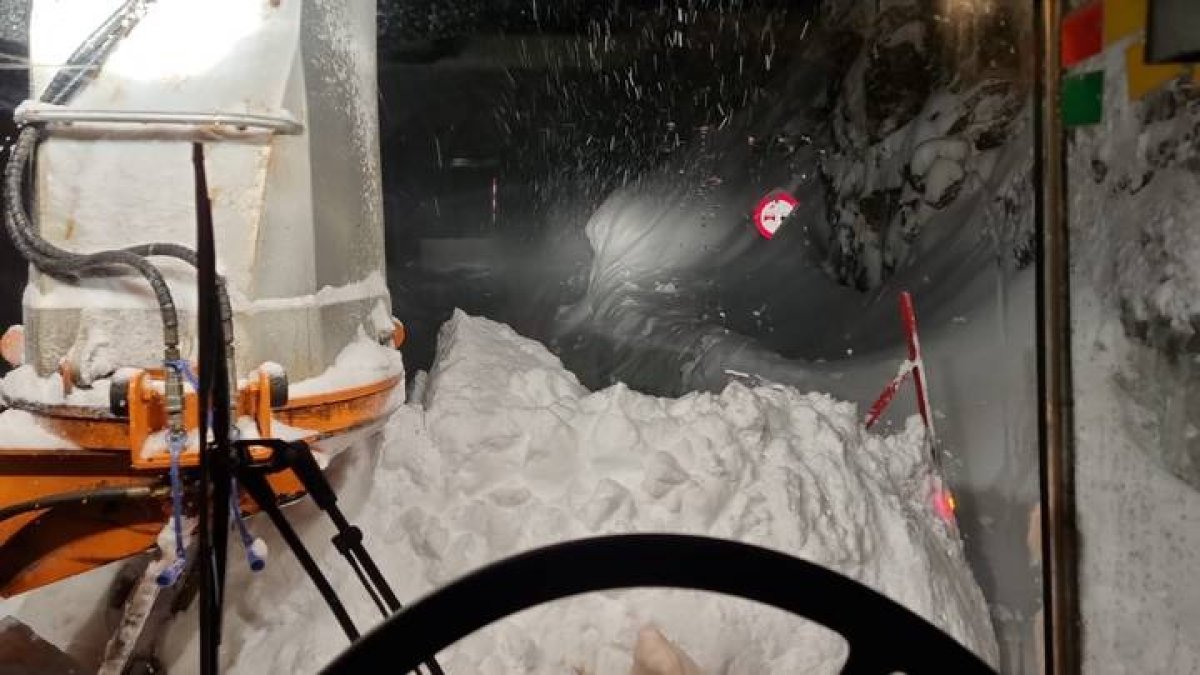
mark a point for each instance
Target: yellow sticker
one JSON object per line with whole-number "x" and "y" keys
{"x": 1123, "y": 17}
{"x": 1140, "y": 77}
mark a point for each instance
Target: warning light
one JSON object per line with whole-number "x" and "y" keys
{"x": 944, "y": 504}
{"x": 772, "y": 210}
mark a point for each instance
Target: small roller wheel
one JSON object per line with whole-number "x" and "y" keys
{"x": 118, "y": 398}
{"x": 279, "y": 389}
{"x": 399, "y": 333}
{"x": 12, "y": 345}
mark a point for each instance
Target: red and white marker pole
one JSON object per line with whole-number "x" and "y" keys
{"x": 908, "y": 316}
{"x": 913, "y": 366}
{"x": 943, "y": 500}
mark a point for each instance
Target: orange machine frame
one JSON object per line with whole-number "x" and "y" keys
{"x": 44, "y": 546}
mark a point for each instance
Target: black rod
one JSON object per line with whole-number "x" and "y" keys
{"x": 205, "y": 259}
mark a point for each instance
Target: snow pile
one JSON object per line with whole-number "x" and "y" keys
{"x": 20, "y": 429}
{"x": 510, "y": 452}
{"x": 24, "y": 384}
{"x": 1137, "y": 195}
{"x": 1134, "y": 195}
{"x": 361, "y": 362}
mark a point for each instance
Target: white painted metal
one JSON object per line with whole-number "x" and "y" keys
{"x": 294, "y": 214}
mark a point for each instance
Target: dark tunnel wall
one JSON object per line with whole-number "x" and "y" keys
{"x": 523, "y": 131}
{"x": 507, "y": 138}
{"x": 14, "y": 87}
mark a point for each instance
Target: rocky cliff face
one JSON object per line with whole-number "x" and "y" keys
{"x": 923, "y": 116}
{"x": 1134, "y": 198}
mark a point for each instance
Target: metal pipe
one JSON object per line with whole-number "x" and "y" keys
{"x": 35, "y": 113}
{"x": 1055, "y": 405}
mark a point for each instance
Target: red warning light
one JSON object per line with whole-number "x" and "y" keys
{"x": 772, "y": 210}
{"x": 944, "y": 504}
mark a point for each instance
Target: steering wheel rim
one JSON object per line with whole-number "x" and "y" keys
{"x": 884, "y": 637}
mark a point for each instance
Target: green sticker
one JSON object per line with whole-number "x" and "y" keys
{"x": 1083, "y": 99}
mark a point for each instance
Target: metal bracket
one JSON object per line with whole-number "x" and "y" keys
{"x": 33, "y": 112}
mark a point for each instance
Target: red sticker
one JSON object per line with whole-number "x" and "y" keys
{"x": 772, "y": 210}
{"x": 1082, "y": 33}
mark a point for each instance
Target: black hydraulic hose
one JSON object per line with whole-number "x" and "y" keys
{"x": 225, "y": 308}
{"x": 80, "y": 497}
{"x": 187, "y": 255}
{"x": 81, "y": 67}
{"x": 86, "y": 59}
{"x": 66, "y": 264}
{"x": 46, "y": 257}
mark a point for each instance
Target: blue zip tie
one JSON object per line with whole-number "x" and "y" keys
{"x": 256, "y": 548}
{"x": 184, "y": 368}
{"x": 175, "y": 442}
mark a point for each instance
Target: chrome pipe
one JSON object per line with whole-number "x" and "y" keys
{"x": 38, "y": 114}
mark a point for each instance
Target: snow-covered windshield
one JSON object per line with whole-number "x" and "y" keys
{"x": 589, "y": 174}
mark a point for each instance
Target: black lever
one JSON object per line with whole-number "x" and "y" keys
{"x": 298, "y": 457}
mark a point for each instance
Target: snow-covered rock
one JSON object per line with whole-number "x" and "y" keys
{"x": 1134, "y": 200}
{"x": 1135, "y": 196}
{"x": 920, "y": 116}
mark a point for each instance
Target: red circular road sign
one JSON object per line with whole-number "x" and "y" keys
{"x": 772, "y": 210}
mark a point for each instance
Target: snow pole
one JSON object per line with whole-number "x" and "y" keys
{"x": 908, "y": 316}
{"x": 889, "y": 392}
{"x": 914, "y": 366}
{"x": 943, "y": 501}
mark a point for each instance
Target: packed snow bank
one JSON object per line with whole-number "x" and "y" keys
{"x": 509, "y": 452}
{"x": 363, "y": 361}
{"x": 20, "y": 429}
{"x": 1135, "y": 257}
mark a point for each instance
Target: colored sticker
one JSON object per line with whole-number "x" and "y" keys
{"x": 1141, "y": 78}
{"x": 1122, "y": 18}
{"x": 1082, "y": 33}
{"x": 1083, "y": 99}
{"x": 772, "y": 210}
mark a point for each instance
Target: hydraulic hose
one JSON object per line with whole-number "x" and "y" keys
{"x": 79, "y": 497}
{"x": 61, "y": 263}
{"x": 83, "y": 63}
{"x": 65, "y": 264}
{"x": 225, "y": 308}
{"x": 86, "y": 58}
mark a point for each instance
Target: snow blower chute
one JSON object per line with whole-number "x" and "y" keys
{"x": 98, "y": 433}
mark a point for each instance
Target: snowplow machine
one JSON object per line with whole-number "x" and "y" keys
{"x": 99, "y": 441}
{"x": 195, "y": 186}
